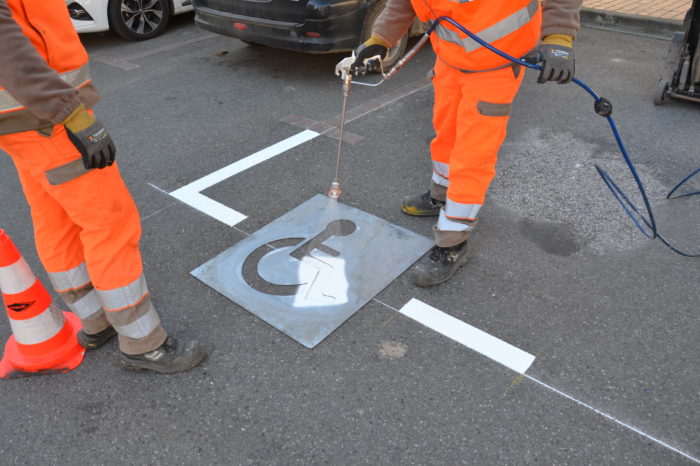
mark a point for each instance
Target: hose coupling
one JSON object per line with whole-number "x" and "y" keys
{"x": 603, "y": 107}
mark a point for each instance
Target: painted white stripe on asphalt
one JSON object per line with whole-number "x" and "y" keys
{"x": 471, "y": 337}
{"x": 191, "y": 193}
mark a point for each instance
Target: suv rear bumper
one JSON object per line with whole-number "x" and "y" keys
{"x": 337, "y": 34}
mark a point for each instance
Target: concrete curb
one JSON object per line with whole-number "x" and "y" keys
{"x": 633, "y": 23}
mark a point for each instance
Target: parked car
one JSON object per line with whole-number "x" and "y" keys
{"x": 131, "y": 19}
{"x": 314, "y": 26}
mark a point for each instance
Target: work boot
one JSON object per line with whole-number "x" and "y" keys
{"x": 421, "y": 205}
{"x": 172, "y": 356}
{"x": 439, "y": 264}
{"x": 91, "y": 341}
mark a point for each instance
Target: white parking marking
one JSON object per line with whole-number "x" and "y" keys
{"x": 471, "y": 337}
{"x": 191, "y": 193}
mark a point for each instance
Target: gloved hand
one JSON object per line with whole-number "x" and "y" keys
{"x": 557, "y": 56}
{"x": 90, "y": 138}
{"x": 373, "y": 46}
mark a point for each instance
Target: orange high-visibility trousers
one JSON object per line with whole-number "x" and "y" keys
{"x": 470, "y": 116}
{"x": 87, "y": 230}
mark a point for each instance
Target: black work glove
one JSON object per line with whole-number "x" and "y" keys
{"x": 557, "y": 57}
{"x": 91, "y": 139}
{"x": 371, "y": 47}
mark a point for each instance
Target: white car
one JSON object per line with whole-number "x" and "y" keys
{"x": 131, "y": 19}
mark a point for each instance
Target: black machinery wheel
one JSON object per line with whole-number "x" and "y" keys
{"x": 661, "y": 93}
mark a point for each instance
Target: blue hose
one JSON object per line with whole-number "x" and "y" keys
{"x": 646, "y": 224}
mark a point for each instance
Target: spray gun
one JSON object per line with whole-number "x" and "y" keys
{"x": 345, "y": 70}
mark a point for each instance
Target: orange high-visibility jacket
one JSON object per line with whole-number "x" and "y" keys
{"x": 513, "y": 26}
{"x": 32, "y": 94}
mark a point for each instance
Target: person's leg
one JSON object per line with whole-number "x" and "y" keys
{"x": 481, "y": 121}
{"x": 98, "y": 202}
{"x": 57, "y": 239}
{"x": 447, "y": 95}
{"x": 483, "y": 116}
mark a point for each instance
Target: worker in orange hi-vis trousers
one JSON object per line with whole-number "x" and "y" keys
{"x": 474, "y": 91}
{"x": 86, "y": 225}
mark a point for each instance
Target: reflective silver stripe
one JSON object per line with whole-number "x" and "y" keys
{"x": 437, "y": 179}
{"x": 141, "y": 327}
{"x": 40, "y": 328}
{"x": 17, "y": 277}
{"x": 87, "y": 306}
{"x": 441, "y": 168}
{"x": 126, "y": 296}
{"x": 445, "y": 224}
{"x": 461, "y": 211}
{"x": 492, "y": 33}
{"x": 75, "y": 78}
{"x": 70, "y": 279}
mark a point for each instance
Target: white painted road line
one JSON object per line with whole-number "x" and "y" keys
{"x": 615, "y": 420}
{"x": 191, "y": 193}
{"x": 471, "y": 337}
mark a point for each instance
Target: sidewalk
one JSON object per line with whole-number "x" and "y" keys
{"x": 665, "y": 9}
{"x": 650, "y": 18}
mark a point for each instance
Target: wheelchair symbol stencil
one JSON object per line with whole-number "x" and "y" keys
{"x": 308, "y": 270}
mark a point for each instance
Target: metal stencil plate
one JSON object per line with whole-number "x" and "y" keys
{"x": 311, "y": 269}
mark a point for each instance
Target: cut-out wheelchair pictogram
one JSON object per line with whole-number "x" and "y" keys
{"x": 314, "y": 274}
{"x": 308, "y": 271}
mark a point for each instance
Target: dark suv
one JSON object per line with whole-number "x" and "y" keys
{"x": 314, "y": 26}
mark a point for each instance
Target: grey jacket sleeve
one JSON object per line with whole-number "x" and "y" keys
{"x": 395, "y": 21}
{"x": 27, "y": 76}
{"x": 561, "y": 17}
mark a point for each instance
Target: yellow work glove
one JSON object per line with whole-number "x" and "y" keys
{"x": 372, "y": 47}
{"x": 90, "y": 138}
{"x": 557, "y": 56}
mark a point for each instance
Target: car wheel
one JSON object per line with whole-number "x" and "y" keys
{"x": 139, "y": 19}
{"x": 397, "y": 51}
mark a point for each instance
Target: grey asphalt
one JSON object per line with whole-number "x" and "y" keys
{"x": 558, "y": 271}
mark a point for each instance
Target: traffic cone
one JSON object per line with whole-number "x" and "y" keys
{"x": 43, "y": 337}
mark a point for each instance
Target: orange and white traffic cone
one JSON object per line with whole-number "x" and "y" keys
{"x": 43, "y": 337}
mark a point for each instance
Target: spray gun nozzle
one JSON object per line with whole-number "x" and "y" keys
{"x": 334, "y": 192}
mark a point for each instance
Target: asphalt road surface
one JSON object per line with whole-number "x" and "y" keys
{"x": 558, "y": 272}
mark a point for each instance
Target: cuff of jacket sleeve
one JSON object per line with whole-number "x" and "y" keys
{"x": 563, "y": 40}
{"x": 68, "y": 105}
{"x": 559, "y": 30}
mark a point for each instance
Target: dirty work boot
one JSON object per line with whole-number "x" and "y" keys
{"x": 439, "y": 264}
{"x": 421, "y": 205}
{"x": 91, "y": 341}
{"x": 172, "y": 356}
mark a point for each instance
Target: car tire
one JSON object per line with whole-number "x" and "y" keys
{"x": 139, "y": 19}
{"x": 397, "y": 51}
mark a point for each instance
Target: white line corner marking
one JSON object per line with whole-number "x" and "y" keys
{"x": 471, "y": 337}
{"x": 191, "y": 194}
